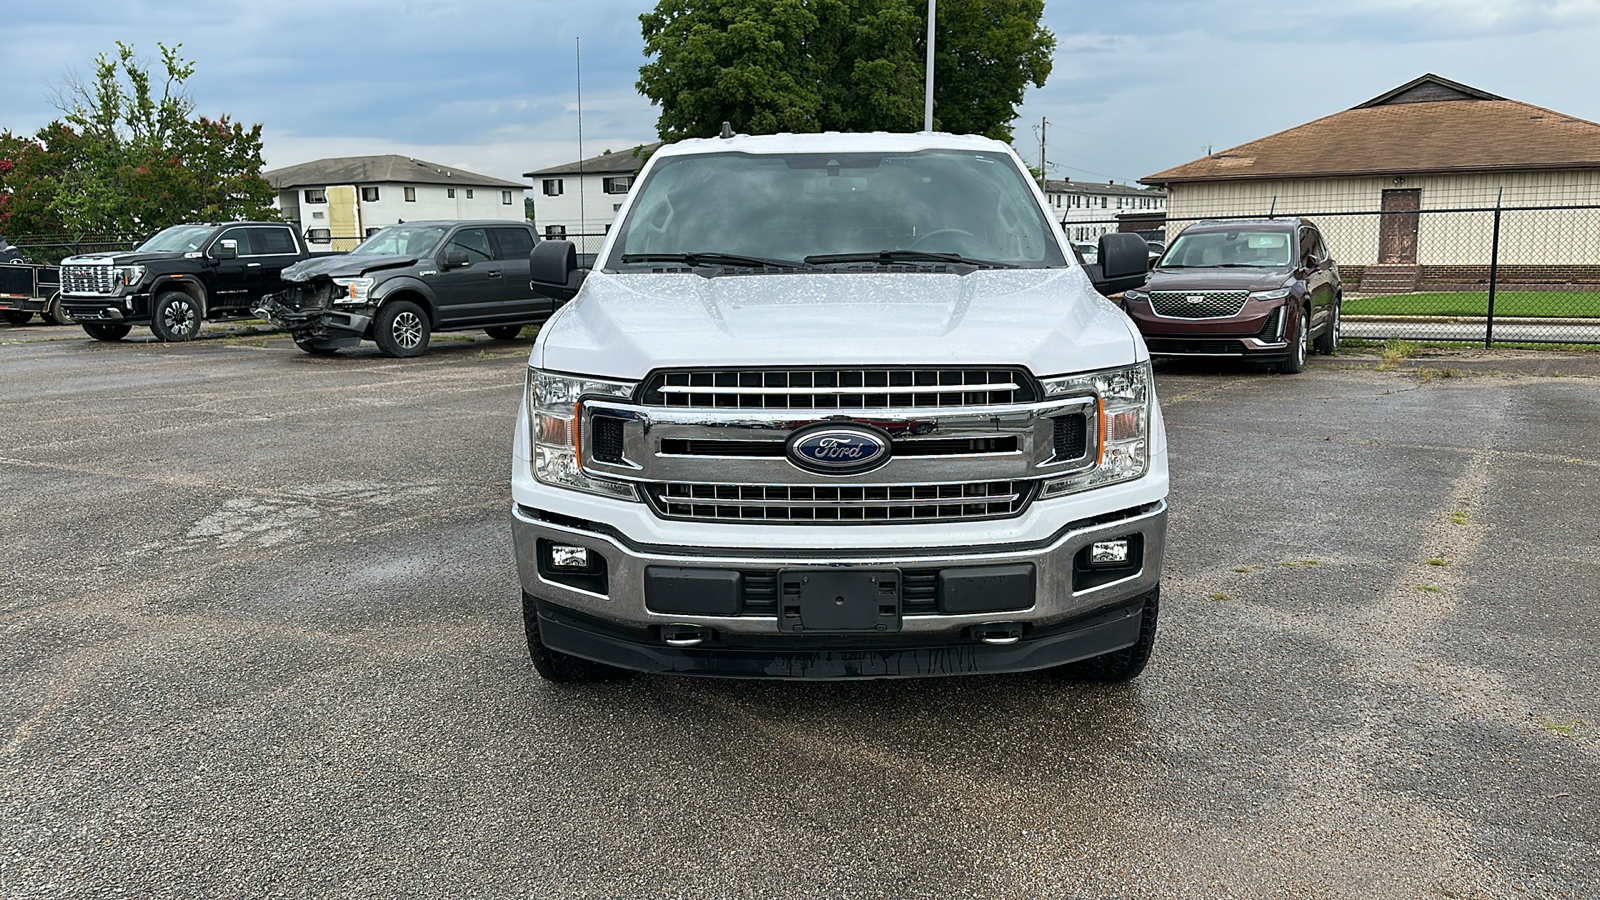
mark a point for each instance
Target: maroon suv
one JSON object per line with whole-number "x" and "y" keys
{"x": 1260, "y": 290}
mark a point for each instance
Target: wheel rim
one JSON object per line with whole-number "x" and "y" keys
{"x": 1305, "y": 339}
{"x": 1336, "y": 318}
{"x": 407, "y": 330}
{"x": 178, "y": 317}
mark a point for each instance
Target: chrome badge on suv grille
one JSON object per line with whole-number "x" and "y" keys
{"x": 839, "y": 449}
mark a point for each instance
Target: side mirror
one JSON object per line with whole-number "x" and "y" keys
{"x": 1123, "y": 264}
{"x": 551, "y": 267}
{"x": 1303, "y": 272}
{"x": 455, "y": 259}
{"x": 226, "y": 250}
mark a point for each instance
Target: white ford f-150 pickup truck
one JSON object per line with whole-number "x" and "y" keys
{"x": 838, "y": 406}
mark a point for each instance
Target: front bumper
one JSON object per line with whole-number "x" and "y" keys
{"x": 318, "y": 324}
{"x": 1070, "y": 616}
{"x": 126, "y": 309}
{"x": 1259, "y": 332}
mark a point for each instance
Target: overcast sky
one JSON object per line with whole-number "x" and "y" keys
{"x": 489, "y": 85}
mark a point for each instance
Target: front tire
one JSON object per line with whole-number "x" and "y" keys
{"x": 176, "y": 317}
{"x": 401, "y": 329}
{"x": 1296, "y": 363}
{"x": 1125, "y": 664}
{"x": 108, "y": 333}
{"x": 503, "y": 332}
{"x": 1328, "y": 342}
{"x": 18, "y": 316}
{"x": 553, "y": 665}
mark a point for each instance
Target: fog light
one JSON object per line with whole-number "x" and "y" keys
{"x": 1109, "y": 553}
{"x": 563, "y": 556}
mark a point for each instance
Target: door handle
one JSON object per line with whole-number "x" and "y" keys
{"x": 495, "y": 273}
{"x": 252, "y": 265}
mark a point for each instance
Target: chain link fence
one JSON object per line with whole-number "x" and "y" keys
{"x": 51, "y": 249}
{"x": 1484, "y": 274}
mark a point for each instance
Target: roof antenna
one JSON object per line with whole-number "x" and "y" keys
{"x": 1273, "y": 209}
{"x": 727, "y": 131}
{"x": 583, "y": 223}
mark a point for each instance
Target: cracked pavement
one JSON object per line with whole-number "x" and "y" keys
{"x": 260, "y": 635}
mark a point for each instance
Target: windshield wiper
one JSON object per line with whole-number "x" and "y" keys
{"x": 710, "y": 259}
{"x": 890, "y": 256}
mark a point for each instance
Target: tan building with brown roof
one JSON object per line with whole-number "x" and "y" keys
{"x": 1430, "y": 144}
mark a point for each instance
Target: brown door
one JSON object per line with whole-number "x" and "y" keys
{"x": 1397, "y": 235}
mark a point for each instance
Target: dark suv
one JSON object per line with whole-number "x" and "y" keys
{"x": 1262, "y": 290}
{"x": 409, "y": 280}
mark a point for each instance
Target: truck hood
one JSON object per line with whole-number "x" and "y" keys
{"x": 344, "y": 266}
{"x": 1217, "y": 279}
{"x": 124, "y": 258}
{"x": 1049, "y": 320}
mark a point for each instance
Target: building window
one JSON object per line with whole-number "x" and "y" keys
{"x": 318, "y": 236}
{"x": 373, "y": 231}
{"x": 411, "y": 195}
{"x": 617, "y": 184}
{"x": 616, "y": 207}
{"x": 505, "y": 198}
{"x": 369, "y": 195}
{"x": 555, "y": 232}
{"x": 469, "y": 193}
{"x": 553, "y": 187}
{"x": 316, "y": 195}
{"x": 450, "y": 192}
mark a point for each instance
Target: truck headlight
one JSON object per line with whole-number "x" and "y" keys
{"x": 355, "y": 290}
{"x": 555, "y": 413}
{"x": 1122, "y": 408}
{"x": 128, "y": 276}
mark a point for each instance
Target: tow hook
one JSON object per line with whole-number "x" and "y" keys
{"x": 1003, "y": 633}
{"x": 685, "y": 635}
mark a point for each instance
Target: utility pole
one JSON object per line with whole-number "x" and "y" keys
{"x": 927, "y": 91}
{"x": 1044, "y": 125}
{"x": 583, "y": 221}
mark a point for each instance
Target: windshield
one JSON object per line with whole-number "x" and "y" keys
{"x": 178, "y": 239}
{"x": 402, "y": 240}
{"x": 746, "y": 209}
{"x": 1229, "y": 249}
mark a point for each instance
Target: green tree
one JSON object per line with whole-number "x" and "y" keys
{"x": 839, "y": 65}
{"x": 129, "y": 156}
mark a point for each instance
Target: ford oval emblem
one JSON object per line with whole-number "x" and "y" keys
{"x": 839, "y": 449}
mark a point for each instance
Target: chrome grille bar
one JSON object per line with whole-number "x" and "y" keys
{"x": 800, "y": 504}
{"x": 966, "y": 388}
{"x": 838, "y": 388}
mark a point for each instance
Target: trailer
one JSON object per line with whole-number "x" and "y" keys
{"x": 27, "y": 288}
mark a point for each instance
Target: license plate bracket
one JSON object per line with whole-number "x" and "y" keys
{"x": 839, "y": 601}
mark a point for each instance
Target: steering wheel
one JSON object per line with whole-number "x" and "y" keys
{"x": 936, "y": 232}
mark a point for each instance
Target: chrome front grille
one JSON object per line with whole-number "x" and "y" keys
{"x": 88, "y": 280}
{"x": 838, "y": 388}
{"x": 815, "y": 505}
{"x": 1198, "y": 304}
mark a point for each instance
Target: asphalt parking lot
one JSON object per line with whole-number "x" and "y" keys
{"x": 260, "y": 636}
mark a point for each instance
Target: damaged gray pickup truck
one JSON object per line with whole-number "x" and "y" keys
{"x": 409, "y": 280}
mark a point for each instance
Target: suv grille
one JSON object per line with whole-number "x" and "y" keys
{"x": 801, "y": 505}
{"x": 1211, "y": 305}
{"x": 854, "y": 388}
{"x": 87, "y": 280}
